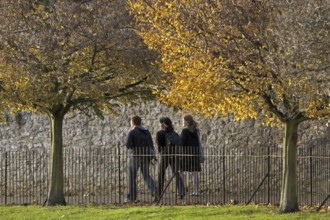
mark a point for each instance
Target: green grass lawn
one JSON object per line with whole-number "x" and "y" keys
{"x": 154, "y": 212}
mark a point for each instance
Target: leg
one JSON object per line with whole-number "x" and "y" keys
{"x": 163, "y": 163}
{"x": 179, "y": 185}
{"x": 145, "y": 163}
{"x": 195, "y": 181}
{"x": 174, "y": 162}
{"x": 183, "y": 161}
{"x": 132, "y": 171}
{"x": 184, "y": 179}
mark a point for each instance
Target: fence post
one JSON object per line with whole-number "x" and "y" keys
{"x": 311, "y": 176}
{"x": 119, "y": 176}
{"x": 268, "y": 171}
{"x": 224, "y": 176}
{"x": 6, "y": 170}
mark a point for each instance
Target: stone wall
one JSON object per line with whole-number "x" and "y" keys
{"x": 29, "y": 131}
{"x": 32, "y": 131}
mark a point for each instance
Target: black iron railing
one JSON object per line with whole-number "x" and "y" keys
{"x": 99, "y": 175}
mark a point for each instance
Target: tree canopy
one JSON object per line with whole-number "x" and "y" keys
{"x": 255, "y": 59}
{"x": 72, "y": 53}
{"x": 56, "y": 56}
{"x": 250, "y": 58}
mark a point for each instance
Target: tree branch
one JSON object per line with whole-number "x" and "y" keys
{"x": 133, "y": 84}
{"x": 273, "y": 107}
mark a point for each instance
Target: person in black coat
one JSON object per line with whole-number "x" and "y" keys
{"x": 190, "y": 162}
{"x": 167, "y": 158}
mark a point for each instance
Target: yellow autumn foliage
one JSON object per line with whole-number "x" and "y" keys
{"x": 77, "y": 55}
{"x": 239, "y": 57}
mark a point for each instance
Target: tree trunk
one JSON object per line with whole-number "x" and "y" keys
{"x": 55, "y": 187}
{"x": 289, "y": 200}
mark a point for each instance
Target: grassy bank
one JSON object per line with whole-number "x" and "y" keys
{"x": 154, "y": 212}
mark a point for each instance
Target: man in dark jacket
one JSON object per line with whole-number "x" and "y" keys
{"x": 141, "y": 151}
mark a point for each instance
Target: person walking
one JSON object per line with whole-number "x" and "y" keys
{"x": 190, "y": 161}
{"x": 167, "y": 157}
{"x": 141, "y": 151}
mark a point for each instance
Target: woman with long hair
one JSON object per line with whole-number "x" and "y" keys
{"x": 190, "y": 161}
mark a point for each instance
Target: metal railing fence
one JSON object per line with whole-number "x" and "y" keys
{"x": 99, "y": 175}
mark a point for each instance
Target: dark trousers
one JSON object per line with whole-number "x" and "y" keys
{"x": 165, "y": 161}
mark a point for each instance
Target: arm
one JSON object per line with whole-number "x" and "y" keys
{"x": 129, "y": 140}
{"x": 184, "y": 137}
{"x": 150, "y": 141}
{"x": 160, "y": 140}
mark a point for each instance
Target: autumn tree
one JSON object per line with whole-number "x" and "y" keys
{"x": 57, "y": 56}
{"x": 255, "y": 59}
